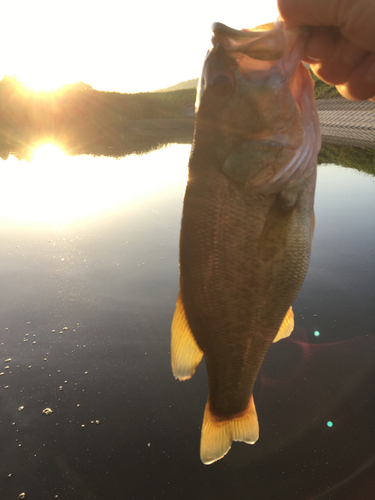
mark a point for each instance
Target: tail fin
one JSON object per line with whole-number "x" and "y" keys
{"x": 217, "y": 436}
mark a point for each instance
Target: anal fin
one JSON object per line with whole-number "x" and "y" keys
{"x": 286, "y": 327}
{"x": 217, "y": 435}
{"x": 185, "y": 353}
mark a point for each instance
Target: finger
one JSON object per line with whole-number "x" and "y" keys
{"x": 335, "y": 64}
{"x": 312, "y": 12}
{"x": 355, "y": 20}
{"x": 360, "y": 84}
{"x": 322, "y": 44}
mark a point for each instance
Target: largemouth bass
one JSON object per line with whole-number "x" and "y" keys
{"x": 248, "y": 218}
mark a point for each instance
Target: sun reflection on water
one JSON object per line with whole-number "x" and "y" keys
{"x": 58, "y": 188}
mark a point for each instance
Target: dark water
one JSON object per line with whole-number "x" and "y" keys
{"x": 88, "y": 283}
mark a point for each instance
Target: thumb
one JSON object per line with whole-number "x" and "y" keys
{"x": 354, "y": 18}
{"x": 312, "y": 12}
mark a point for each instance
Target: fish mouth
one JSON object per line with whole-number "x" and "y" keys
{"x": 249, "y": 53}
{"x": 266, "y": 42}
{"x": 221, "y": 27}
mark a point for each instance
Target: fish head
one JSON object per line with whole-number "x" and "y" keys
{"x": 247, "y": 67}
{"x": 250, "y": 90}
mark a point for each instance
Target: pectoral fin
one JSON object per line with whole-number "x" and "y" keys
{"x": 217, "y": 436}
{"x": 185, "y": 352}
{"x": 286, "y": 327}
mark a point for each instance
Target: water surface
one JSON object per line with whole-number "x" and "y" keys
{"x": 88, "y": 283}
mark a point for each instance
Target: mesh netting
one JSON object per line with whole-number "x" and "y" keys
{"x": 347, "y": 122}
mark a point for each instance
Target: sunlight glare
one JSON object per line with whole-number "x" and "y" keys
{"x": 57, "y": 188}
{"x": 48, "y": 154}
{"x": 54, "y": 43}
{"x": 41, "y": 82}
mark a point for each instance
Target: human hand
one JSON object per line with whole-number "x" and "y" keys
{"x": 341, "y": 50}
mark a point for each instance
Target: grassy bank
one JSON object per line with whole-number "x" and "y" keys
{"x": 362, "y": 159}
{"x": 84, "y": 120}
{"x": 78, "y": 116}
{"x": 78, "y": 108}
{"x": 322, "y": 90}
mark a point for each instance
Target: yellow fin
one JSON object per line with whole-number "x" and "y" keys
{"x": 185, "y": 352}
{"x": 217, "y": 436}
{"x": 286, "y": 327}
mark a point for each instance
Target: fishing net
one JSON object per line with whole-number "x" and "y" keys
{"x": 347, "y": 122}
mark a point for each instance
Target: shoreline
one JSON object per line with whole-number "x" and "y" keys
{"x": 161, "y": 124}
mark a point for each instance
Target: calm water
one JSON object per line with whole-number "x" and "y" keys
{"x": 88, "y": 283}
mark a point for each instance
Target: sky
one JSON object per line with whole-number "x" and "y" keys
{"x": 115, "y": 45}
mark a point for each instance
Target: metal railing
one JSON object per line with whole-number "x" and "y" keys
{"x": 347, "y": 122}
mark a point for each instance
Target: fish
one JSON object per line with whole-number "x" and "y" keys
{"x": 248, "y": 219}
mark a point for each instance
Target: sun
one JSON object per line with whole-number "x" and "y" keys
{"x": 41, "y": 81}
{"x": 49, "y": 154}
